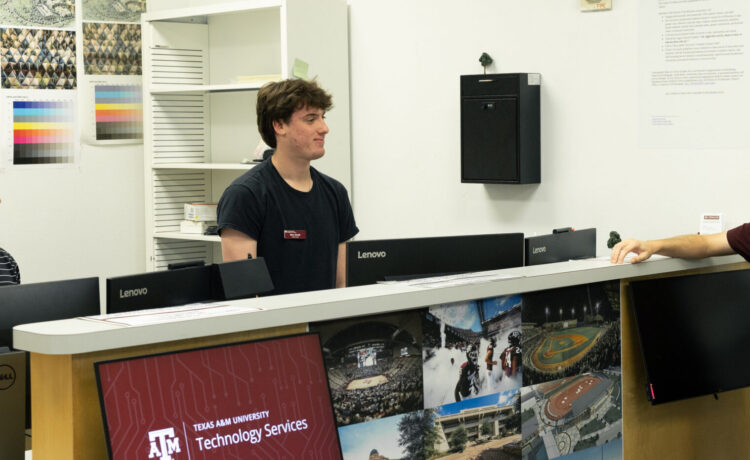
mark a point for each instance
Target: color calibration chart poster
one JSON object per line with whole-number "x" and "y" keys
{"x": 40, "y": 131}
{"x": 118, "y": 113}
{"x": 40, "y": 42}
{"x": 266, "y": 399}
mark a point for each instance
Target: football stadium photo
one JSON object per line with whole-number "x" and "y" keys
{"x": 471, "y": 349}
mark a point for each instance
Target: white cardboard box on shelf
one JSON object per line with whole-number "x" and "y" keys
{"x": 190, "y": 226}
{"x": 200, "y": 212}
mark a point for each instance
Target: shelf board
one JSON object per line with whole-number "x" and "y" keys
{"x": 209, "y": 10}
{"x": 204, "y": 166}
{"x": 223, "y": 88}
{"x": 188, "y": 236}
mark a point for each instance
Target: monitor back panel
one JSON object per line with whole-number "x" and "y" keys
{"x": 159, "y": 289}
{"x": 377, "y": 260}
{"x": 37, "y": 302}
{"x": 561, "y": 247}
{"x": 240, "y": 279}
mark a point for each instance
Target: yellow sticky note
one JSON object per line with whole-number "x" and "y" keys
{"x": 300, "y": 69}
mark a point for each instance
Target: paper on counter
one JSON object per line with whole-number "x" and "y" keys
{"x": 628, "y": 258}
{"x": 453, "y": 280}
{"x": 169, "y": 314}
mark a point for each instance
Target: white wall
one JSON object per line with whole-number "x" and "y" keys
{"x": 406, "y": 59}
{"x": 76, "y": 222}
{"x": 71, "y": 222}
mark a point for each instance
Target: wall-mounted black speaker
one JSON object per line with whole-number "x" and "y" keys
{"x": 500, "y": 129}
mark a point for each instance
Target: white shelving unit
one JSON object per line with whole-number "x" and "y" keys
{"x": 168, "y": 89}
{"x": 212, "y": 166}
{"x": 200, "y": 122}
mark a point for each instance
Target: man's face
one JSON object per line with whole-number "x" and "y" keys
{"x": 304, "y": 135}
{"x": 472, "y": 355}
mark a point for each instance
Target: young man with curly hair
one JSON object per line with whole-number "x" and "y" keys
{"x": 284, "y": 210}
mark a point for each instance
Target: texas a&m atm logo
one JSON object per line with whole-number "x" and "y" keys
{"x": 163, "y": 444}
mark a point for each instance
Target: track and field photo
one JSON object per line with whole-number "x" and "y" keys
{"x": 578, "y": 416}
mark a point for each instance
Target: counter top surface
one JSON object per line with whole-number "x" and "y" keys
{"x": 80, "y": 335}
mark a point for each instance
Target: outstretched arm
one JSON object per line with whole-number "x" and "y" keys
{"x": 685, "y": 246}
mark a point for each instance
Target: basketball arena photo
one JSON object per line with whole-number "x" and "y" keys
{"x": 374, "y": 365}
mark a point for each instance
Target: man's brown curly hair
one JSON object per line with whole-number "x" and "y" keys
{"x": 277, "y": 101}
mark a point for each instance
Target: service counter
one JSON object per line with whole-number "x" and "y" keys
{"x": 66, "y": 416}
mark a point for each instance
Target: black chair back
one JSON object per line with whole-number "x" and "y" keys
{"x": 9, "y": 273}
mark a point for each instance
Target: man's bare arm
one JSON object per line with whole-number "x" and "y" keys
{"x": 684, "y": 246}
{"x": 236, "y": 245}
{"x": 341, "y": 266}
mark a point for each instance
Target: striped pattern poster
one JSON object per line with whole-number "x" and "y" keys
{"x": 43, "y": 132}
{"x": 119, "y": 112}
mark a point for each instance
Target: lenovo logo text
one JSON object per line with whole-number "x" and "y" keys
{"x": 372, "y": 255}
{"x": 539, "y": 250}
{"x": 133, "y": 292}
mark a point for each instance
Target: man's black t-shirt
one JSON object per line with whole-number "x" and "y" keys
{"x": 298, "y": 233}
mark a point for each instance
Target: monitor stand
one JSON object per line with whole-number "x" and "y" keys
{"x": 13, "y": 402}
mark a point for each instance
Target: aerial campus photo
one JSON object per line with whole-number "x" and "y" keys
{"x": 571, "y": 404}
{"x": 483, "y": 428}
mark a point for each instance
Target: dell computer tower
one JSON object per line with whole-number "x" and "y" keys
{"x": 500, "y": 129}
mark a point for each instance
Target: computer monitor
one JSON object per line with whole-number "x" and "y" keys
{"x": 158, "y": 289}
{"x": 693, "y": 332}
{"x": 37, "y": 302}
{"x": 371, "y": 261}
{"x": 267, "y": 399}
{"x": 561, "y": 246}
{"x": 240, "y": 279}
{"x": 194, "y": 283}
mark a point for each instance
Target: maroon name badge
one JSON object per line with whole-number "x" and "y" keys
{"x": 295, "y": 234}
